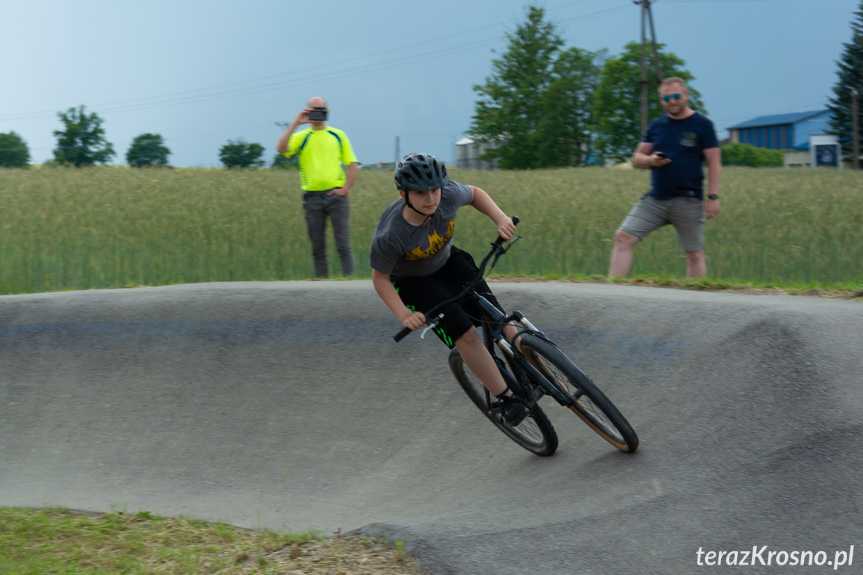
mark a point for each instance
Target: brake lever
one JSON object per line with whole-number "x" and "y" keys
{"x": 431, "y": 325}
{"x": 502, "y": 250}
{"x": 509, "y": 244}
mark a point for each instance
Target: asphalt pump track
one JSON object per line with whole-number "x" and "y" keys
{"x": 288, "y": 406}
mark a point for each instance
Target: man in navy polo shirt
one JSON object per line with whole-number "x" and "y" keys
{"x": 674, "y": 148}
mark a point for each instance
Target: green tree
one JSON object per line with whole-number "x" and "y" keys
{"x": 14, "y": 152}
{"x": 148, "y": 150}
{"x": 617, "y": 103}
{"x": 510, "y": 108}
{"x": 82, "y": 142}
{"x": 564, "y": 137}
{"x": 850, "y": 77}
{"x": 241, "y": 154}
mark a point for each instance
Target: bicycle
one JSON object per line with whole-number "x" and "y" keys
{"x": 536, "y": 368}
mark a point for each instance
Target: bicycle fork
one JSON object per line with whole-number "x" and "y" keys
{"x": 516, "y": 360}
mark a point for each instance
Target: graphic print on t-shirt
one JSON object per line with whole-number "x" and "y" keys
{"x": 689, "y": 139}
{"x": 436, "y": 242}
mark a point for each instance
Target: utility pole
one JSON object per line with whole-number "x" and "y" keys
{"x": 855, "y": 135}
{"x": 647, "y": 18}
{"x": 396, "y": 161}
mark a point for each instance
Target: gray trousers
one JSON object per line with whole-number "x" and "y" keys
{"x": 317, "y": 206}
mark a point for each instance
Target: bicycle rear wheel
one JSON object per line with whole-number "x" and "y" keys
{"x": 534, "y": 433}
{"x": 588, "y": 402}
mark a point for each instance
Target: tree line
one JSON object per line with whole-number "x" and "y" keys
{"x": 544, "y": 105}
{"x": 82, "y": 142}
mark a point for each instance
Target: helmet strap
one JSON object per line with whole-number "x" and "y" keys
{"x": 408, "y": 202}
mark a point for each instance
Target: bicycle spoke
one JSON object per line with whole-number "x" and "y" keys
{"x": 534, "y": 433}
{"x": 585, "y": 399}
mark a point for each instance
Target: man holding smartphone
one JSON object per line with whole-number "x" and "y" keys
{"x": 674, "y": 148}
{"x": 328, "y": 170}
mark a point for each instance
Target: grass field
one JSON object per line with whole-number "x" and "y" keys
{"x": 112, "y": 227}
{"x": 60, "y": 541}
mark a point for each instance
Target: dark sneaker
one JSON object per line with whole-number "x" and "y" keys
{"x": 513, "y": 409}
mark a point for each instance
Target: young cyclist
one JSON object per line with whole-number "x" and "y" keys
{"x": 415, "y": 264}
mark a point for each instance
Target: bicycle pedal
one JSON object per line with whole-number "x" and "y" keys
{"x": 513, "y": 410}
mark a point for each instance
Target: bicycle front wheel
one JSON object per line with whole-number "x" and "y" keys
{"x": 588, "y": 402}
{"x": 534, "y": 433}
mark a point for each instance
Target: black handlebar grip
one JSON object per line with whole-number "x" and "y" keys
{"x": 515, "y": 220}
{"x": 402, "y": 334}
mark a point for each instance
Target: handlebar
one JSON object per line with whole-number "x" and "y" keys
{"x": 402, "y": 334}
{"x": 496, "y": 249}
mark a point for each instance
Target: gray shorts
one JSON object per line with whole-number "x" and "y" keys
{"x": 685, "y": 214}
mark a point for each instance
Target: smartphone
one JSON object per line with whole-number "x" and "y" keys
{"x": 661, "y": 155}
{"x": 318, "y": 114}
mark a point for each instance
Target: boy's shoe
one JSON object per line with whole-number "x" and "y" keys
{"x": 513, "y": 409}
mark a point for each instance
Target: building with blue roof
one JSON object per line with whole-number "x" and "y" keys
{"x": 782, "y": 131}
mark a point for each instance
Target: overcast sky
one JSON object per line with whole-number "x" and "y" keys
{"x": 202, "y": 73}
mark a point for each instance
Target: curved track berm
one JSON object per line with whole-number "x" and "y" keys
{"x": 288, "y": 406}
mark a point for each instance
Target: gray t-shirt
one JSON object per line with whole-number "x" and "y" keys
{"x": 400, "y": 249}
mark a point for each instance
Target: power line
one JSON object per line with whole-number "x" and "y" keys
{"x": 298, "y": 77}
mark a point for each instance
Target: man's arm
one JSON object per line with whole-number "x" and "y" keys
{"x": 282, "y": 145}
{"x": 353, "y": 172}
{"x": 302, "y": 118}
{"x": 714, "y": 179}
{"x": 645, "y": 158}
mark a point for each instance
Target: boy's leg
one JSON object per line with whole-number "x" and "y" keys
{"x": 457, "y": 327}
{"x": 480, "y": 362}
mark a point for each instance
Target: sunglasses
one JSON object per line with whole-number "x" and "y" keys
{"x": 670, "y": 96}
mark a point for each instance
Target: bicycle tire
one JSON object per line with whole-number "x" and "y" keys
{"x": 592, "y": 406}
{"x": 535, "y": 433}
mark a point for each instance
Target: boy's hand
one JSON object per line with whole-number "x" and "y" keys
{"x": 506, "y": 228}
{"x": 414, "y": 321}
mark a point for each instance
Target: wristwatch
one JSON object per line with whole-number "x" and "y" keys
{"x": 713, "y": 197}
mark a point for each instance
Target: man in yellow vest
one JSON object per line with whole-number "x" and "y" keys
{"x": 328, "y": 170}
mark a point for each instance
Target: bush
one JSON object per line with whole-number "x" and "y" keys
{"x": 747, "y": 155}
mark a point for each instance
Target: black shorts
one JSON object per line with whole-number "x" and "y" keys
{"x": 423, "y": 293}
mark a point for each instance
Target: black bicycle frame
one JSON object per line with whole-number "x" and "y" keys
{"x": 493, "y": 325}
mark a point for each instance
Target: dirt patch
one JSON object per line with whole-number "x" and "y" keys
{"x": 341, "y": 555}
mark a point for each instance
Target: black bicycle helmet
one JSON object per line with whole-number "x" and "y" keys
{"x": 420, "y": 172}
